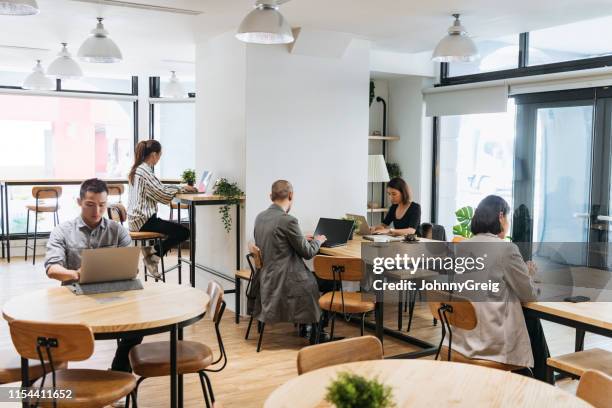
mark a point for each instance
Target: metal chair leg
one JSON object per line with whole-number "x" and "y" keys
{"x": 362, "y": 323}
{"x": 210, "y": 389}
{"x": 246, "y": 337}
{"x": 333, "y": 321}
{"x": 263, "y": 325}
{"x": 162, "y": 260}
{"x": 27, "y": 233}
{"x": 400, "y": 315}
{"x": 411, "y": 309}
{"x": 201, "y": 374}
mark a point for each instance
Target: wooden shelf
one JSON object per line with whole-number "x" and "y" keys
{"x": 378, "y": 210}
{"x": 386, "y": 138}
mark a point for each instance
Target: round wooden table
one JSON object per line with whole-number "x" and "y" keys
{"x": 155, "y": 309}
{"x": 428, "y": 383}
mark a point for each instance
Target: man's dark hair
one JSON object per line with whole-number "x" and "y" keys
{"x": 486, "y": 216}
{"x": 93, "y": 185}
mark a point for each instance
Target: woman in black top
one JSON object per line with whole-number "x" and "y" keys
{"x": 404, "y": 214}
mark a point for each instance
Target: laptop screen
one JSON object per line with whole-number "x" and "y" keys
{"x": 336, "y": 231}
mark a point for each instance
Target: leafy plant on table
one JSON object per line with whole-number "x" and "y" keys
{"x": 464, "y": 218}
{"x": 232, "y": 194}
{"x": 354, "y": 391}
{"x": 189, "y": 177}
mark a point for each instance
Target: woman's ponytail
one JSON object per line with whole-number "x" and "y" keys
{"x": 143, "y": 149}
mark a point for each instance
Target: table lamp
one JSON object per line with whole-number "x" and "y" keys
{"x": 377, "y": 173}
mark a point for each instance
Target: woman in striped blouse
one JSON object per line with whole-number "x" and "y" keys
{"x": 146, "y": 190}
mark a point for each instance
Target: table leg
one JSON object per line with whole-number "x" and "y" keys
{"x": 238, "y": 236}
{"x": 7, "y": 223}
{"x": 579, "y": 346}
{"x": 192, "y": 243}
{"x": 173, "y": 370}
{"x": 178, "y": 250}
{"x": 180, "y": 377}
{"x": 2, "y": 216}
{"x": 25, "y": 378}
{"x": 237, "y": 294}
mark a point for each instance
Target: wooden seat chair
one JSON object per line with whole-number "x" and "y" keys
{"x": 576, "y": 364}
{"x": 338, "y": 269}
{"x": 53, "y": 343}
{"x": 10, "y": 367}
{"x": 153, "y": 359}
{"x": 339, "y": 352}
{"x": 255, "y": 264}
{"x": 116, "y": 190}
{"x": 118, "y": 213}
{"x": 595, "y": 388}
{"x": 455, "y": 311}
{"x": 174, "y": 205}
{"x": 42, "y": 193}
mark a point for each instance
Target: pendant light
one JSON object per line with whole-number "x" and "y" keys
{"x": 265, "y": 25}
{"x": 38, "y": 81}
{"x": 64, "y": 66}
{"x": 18, "y": 7}
{"x": 98, "y": 47}
{"x": 174, "y": 89}
{"x": 457, "y": 46}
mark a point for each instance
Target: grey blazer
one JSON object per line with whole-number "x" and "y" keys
{"x": 501, "y": 334}
{"x": 288, "y": 290}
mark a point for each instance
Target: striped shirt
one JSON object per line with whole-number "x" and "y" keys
{"x": 146, "y": 191}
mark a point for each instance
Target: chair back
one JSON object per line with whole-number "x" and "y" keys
{"x": 215, "y": 293}
{"x": 595, "y": 388}
{"x": 117, "y": 212}
{"x": 53, "y": 342}
{"x": 255, "y": 264}
{"x": 438, "y": 232}
{"x": 116, "y": 190}
{"x": 336, "y": 268}
{"x": 42, "y": 192}
{"x": 339, "y": 352}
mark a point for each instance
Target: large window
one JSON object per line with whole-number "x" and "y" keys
{"x": 495, "y": 55}
{"x": 476, "y": 156}
{"x": 45, "y": 137}
{"x": 174, "y": 127}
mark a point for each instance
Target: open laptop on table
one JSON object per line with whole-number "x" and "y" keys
{"x": 105, "y": 270}
{"x": 336, "y": 231}
{"x": 364, "y": 231}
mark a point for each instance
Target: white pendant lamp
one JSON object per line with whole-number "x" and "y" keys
{"x": 38, "y": 81}
{"x": 98, "y": 47}
{"x": 457, "y": 46}
{"x": 18, "y": 7}
{"x": 174, "y": 89}
{"x": 265, "y": 25}
{"x": 64, "y": 67}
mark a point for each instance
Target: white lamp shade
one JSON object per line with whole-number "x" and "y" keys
{"x": 38, "y": 81}
{"x": 457, "y": 46}
{"x": 64, "y": 66}
{"x": 265, "y": 25}
{"x": 377, "y": 169}
{"x": 99, "y": 48}
{"x": 18, "y": 7}
{"x": 174, "y": 89}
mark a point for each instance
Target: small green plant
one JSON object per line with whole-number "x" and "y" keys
{"x": 464, "y": 218}
{"x": 189, "y": 177}
{"x": 394, "y": 170}
{"x": 354, "y": 391}
{"x": 232, "y": 194}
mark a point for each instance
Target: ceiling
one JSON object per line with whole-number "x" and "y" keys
{"x": 155, "y": 42}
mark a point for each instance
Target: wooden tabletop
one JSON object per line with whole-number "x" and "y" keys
{"x": 353, "y": 247}
{"x": 157, "y": 305}
{"x": 427, "y": 383}
{"x": 202, "y": 197}
{"x": 31, "y": 182}
{"x": 594, "y": 313}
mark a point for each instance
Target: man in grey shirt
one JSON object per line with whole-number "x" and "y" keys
{"x": 90, "y": 230}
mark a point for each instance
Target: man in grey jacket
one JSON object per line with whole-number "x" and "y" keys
{"x": 288, "y": 290}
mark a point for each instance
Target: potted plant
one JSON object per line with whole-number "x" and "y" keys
{"x": 394, "y": 170}
{"x": 232, "y": 194}
{"x": 464, "y": 218}
{"x": 189, "y": 177}
{"x": 356, "y": 225}
{"x": 354, "y": 391}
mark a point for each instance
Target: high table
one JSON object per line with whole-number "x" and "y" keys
{"x": 426, "y": 383}
{"x": 4, "y": 207}
{"x": 155, "y": 309}
{"x": 353, "y": 250}
{"x": 194, "y": 200}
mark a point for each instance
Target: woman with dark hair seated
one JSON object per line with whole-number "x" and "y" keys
{"x": 503, "y": 334}
{"x": 404, "y": 214}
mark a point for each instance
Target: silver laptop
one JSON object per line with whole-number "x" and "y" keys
{"x": 106, "y": 270}
{"x": 364, "y": 227}
{"x": 364, "y": 231}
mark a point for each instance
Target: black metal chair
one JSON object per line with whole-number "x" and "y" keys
{"x": 40, "y": 194}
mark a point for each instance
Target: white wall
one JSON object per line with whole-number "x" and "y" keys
{"x": 307, "y": 122}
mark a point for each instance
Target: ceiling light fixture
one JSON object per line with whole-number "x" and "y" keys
{"x": 98, "y": 47}
{"x": 265, "y": 25}
{"x": 64, "y": 67}
{"x": 18, "y": 7}
{"x": 457, "y": 46}
{"x": 174, "y": 89}
{"x": 38, "y": 81}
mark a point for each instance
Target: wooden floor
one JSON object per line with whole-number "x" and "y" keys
{"x": 250, "y": 376}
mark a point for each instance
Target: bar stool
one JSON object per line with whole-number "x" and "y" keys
{"x": 40, "y": 194}
{"x": 116, "y": 190}
{"x": 174, "y": 206}
{"x": 117, "y": 212}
